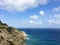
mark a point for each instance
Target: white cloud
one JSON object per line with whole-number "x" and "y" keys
{"x": 57, "y": 16}
{"x": 35, "y": 22}
{"x": 42, "y": 13}
{"x": 57, "y": 21}
{"x": 53, "y": 21}
{"x": 31, "y": 22}
{"x": 57, "y": 9}
{"x": 20, "y": 5}
{"x": 50, "y": 21}
{"x": 34, "y": 17}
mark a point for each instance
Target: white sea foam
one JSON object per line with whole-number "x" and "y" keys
{"x": 28, "y": 38}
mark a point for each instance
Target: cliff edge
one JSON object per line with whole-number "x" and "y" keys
{"x": 11, "y": 36}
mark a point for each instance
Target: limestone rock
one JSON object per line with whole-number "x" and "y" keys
{"x": 11, "y": 36}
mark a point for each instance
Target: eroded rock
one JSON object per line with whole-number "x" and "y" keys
{"x": 11, "y": 36}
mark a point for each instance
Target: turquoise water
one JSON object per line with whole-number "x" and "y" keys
{"x": 43, "y": 36}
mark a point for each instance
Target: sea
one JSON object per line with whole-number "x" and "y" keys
{"x": 44, "y": 36}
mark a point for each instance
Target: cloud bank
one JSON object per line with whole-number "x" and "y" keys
{"x": 20, "y": 5}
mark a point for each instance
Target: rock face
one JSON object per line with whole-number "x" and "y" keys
{"x": 11, "y": 36}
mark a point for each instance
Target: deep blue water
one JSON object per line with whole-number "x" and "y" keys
{"x": 43, "y": 36}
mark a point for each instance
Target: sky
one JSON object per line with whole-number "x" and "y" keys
{"x": 30, "y": 13}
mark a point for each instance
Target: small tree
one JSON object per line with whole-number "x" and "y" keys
{"x": 5, "y": 24}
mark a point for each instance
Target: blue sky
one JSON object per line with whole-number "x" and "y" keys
{"x": 30, "y": 13}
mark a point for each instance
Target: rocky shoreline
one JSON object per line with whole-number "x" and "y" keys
{"x": 11, "y": 36}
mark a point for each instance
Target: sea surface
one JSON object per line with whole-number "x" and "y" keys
{"x": 43, "y": 36}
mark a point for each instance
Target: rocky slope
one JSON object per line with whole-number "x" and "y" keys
{"x": 11, "y": 36}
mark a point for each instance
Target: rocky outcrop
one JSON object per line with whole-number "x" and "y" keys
{"x": 11, "y": 36}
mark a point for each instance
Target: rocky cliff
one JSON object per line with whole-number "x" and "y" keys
{"x": 11, "y": 36}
